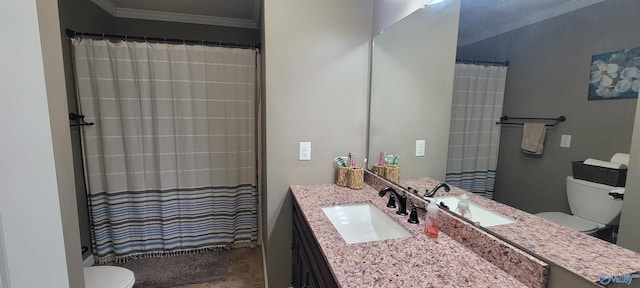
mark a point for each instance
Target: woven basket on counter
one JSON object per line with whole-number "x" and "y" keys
{"x": 355, "y": 178}
{"x": 597, "y": 174}
{"x": 341, "y": 177}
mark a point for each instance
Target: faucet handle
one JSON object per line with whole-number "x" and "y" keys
{"x": 413, "y": 217}
{"x": 392, "y": 202}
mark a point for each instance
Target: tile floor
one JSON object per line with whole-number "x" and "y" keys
{"x": 245, "y": 270}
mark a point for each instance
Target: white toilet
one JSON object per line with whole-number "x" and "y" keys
{"x": 592, "y": 207}
{"x": 108, "y": 277}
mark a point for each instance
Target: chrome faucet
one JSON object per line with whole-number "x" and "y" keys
{"x": 402, "y": 199}
{"x": 435, "y": 189}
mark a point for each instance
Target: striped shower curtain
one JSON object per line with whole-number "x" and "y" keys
{"x": 478, "y": 94}
{"x": 170, "y": 162}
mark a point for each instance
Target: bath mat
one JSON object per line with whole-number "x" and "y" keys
{"x": 174, "y": 271}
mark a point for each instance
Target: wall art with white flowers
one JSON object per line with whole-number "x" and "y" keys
{"x": 615, "y": 75}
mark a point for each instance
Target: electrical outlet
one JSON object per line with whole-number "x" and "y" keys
{"x": 565, "y": 141}
{"x": 305, "y": 151}
{"x": 420, "y": 147}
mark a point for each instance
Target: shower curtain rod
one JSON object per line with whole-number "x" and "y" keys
{"x": 495, "y": 63}
{"x": 71, "y": 34}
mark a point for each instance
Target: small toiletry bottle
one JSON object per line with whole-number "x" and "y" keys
{"x": 431, "y": 226}
{"x": 463, "y": 207}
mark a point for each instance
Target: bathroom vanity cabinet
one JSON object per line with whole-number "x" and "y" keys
{"x": 322, "y": 258}
{"x": 310, "y": 269}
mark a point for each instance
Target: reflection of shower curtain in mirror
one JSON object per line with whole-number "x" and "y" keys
{"x": 170, "y": 162}
{"x": 478, "y": 93}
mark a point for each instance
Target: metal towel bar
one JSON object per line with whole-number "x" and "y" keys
{"x": 521, "y": 120}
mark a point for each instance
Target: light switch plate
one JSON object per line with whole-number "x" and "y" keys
{"x": 305, "y": 151}
{"x": 565, "y": 141}
{"x": 420, "y": 147}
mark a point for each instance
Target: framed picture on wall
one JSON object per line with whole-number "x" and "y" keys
{"x": 615, "y": 75}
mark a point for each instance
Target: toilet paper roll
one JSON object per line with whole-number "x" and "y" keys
{"x": 593, "y": 162}
{"x": 620, "y": 158}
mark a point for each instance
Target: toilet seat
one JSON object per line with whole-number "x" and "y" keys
{"x": 108, "y": 277}
{"x": 571, "y": 221}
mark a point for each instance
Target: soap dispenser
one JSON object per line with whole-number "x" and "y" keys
{"x": 463, "y": 207}
{"x": 431, "y": 224}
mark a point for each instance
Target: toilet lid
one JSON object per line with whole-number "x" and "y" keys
{"x": 108, "y": 277}
{"x": 573, "y": 222}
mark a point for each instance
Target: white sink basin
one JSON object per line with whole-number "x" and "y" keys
{"x": 363, "y": 223}
{"x": 484, "y": 216}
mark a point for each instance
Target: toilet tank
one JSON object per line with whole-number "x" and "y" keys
{"x": 591, "y": 201}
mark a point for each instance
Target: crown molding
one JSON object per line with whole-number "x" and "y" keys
{"x": 106, "y": 5}
{"x": 176, "y": 17}
{"x": 184, "y": 18}
{"x": 528, "y": 20}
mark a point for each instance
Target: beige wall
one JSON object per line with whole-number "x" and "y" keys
{"x": 35, "y": 169}
{"x": 316, "y": 65}
{"x": 548, "y": 76}
{"x": 412, "y": 88}
{"x": 58, "y": 114}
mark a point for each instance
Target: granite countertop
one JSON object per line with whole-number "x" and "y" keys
{"x": 577, "y": 252}
{"x": 415, "y": 261}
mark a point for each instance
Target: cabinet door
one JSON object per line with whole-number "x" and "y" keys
{"x": 295, "y": 260}
{"x": 306, "y": 273}
{"x": 313, "y": 270}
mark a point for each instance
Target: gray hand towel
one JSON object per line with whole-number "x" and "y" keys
{"x": 533, "y": 138}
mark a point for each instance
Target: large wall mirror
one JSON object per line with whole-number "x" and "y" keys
{"x": 411, "y": 86}
{"x": 548, "y": 44}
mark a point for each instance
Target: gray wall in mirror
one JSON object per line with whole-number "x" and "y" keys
{"x": 412, "y": 82}
{"x": 548, "y": 76}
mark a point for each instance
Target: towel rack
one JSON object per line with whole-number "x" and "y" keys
{"x": 521, "y": 120}
{"x": 79, "y": 118}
